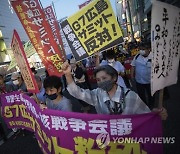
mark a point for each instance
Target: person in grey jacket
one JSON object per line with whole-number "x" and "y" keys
{"x": 108, "y": 98}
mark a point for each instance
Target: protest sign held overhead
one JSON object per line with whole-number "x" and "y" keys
{"x": 50, "y": 17}
{"x": 165, "y": 32}
{"x": 86, "y": 133}
{"x": 33, "y": 19}
{"x": 22, "y": 62}
{"x": 91, "y": 29}
{"x": 29, "y": 51}
{"x": 84, "y": 4}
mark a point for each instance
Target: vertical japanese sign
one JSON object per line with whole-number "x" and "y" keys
{"x": 87, "y": 133}
{"x": 39, "y": 31}
{"x": 29, "y": 51}
{"x": 50, "y": 17}
{"x": 91, "y": 29}
{"x": 22, "y": 62}
{"x": 165, "y": 30}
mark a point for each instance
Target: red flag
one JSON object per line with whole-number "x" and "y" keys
{"x": 39, "y": 31}
{"x": 23, "y": 64}
{"x": 50, "y": 17}
{"x": 84, "y": 4}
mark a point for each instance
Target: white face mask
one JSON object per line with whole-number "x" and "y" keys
{"x": 142, "y": 52}
{"x": 15, "y": 82}
{"x": 111, "y": 60}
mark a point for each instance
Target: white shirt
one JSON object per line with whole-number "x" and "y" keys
{"x": 98, "y": 97}
{"x": 119, "y": 68}
{"x": 142, "y": 68}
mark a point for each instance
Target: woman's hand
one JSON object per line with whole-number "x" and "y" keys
{"x": 162, "y": 112}
{"x": 42, "y": 106}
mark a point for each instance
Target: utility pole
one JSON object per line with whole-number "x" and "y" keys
{"x": 130, "y": 19}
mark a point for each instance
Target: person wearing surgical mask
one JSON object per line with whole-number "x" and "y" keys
{"x": 141, "y": 72}
{"x": 55, "y": 100}
{"x": 4, "y": 87}
{"x": 18, "y": 82}
{"x": 109, "y": 97}
{"x": 111, "y": 60}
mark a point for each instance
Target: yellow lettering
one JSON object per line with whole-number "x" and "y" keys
{"x": 48, "y": 141}
{"x": 39, "y": 131}
{"x": 125, "y": 148}
{"x": 23, "y": 111}
{"x": 7, "y": 112}
{"x": 58, "y": 149}
{"x": 82, "y": 145}
{"x": 17, "y": 109}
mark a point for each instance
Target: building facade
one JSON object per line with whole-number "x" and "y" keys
{"x": 140, "y": 15}
{"x": 8, "y": 22}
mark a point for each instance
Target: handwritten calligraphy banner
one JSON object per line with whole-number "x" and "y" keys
{"x": 165, "y": 30}
{"x": 87, "y": 133}
{"x": 23, "y": 64}
{"x": 29, "y": 51}
{"x": 33, "y": 19}
{"x": 91, "y": 29}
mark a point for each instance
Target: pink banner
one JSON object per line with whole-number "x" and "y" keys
{"x": 71, "y": 133}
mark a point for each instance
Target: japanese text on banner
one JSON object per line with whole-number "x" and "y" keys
{"x": 84, "y": 131}
{"x": 38, "y": 29}
{"x": 92, "y": 29}
{"x": 165, "y": 45}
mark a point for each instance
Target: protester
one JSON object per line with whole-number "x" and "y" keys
{"x": 108, "y": 98}
{"x": 18, "y": 82}
{"x": 78, "y": 75}
{"x": 41, "y": 95}
{"x": 141, "y": 70}
{"x": 55, "y": 100}
{"x": 33, "y": 69}
{"x": 81, "y": 80}
{"x": 4, "y": 88}
{"x": 111, "y": 60}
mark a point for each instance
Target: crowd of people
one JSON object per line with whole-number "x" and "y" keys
{"x": 111, "y": 94}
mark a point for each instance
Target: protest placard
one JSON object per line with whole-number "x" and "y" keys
{"x": 22, "y": 62}
{"x": 165, "y": 30}
{"x": 93, "y": 28}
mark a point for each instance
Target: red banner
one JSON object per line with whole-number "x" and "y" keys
{"x": 84, "y": 4}
{"x": 50, "y": 17}
{"x": 23, "y": 64}
{"x": 39, "y": 31}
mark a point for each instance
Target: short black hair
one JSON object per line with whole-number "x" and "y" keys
{"x": 33, "y": 69}
{"x": 110, "y": 54}
{"x": 108, "y": 69}
{"x": 52, "y": 81}
{"x": 1, "y": 76}
{"x": 145, "y": 45}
